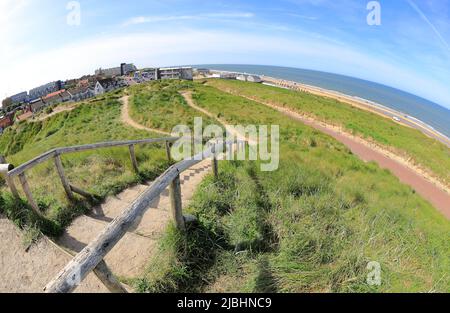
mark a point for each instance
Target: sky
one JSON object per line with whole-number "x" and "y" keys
{"x": 47, "y": 40}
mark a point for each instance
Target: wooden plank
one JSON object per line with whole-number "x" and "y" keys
{"x": 85, "y": 261}
{"x": 81, "y": 192}
{"x": 111, "y": 144}
{"x": 133, "y": 159}
{"x": 176, "y": 203}
{"x": 62, "y": 176}
{"x": 28, "y": 194}
{"x": 102, "y": 271}
{"x": 108, "y": 279}
{"x": 47, "y": 155}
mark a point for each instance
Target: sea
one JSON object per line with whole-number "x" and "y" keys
{"x": 432, "y": 114}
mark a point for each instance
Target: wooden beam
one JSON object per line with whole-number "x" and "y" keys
{"x": 176, "y": 203}
{"x": 102, "y": 271}
{"x": 133, "y": 158}
{"x": 168, "y": 154}
{"x": 81, "y": 192}
{"x": 85, "y": 261}
{"x": 28, "y": 194}
{"x": 62, "y": 176}
{"x": 108, "y": 279}
{"x": 4, "y": 171}
{"x": 214, "y": 164}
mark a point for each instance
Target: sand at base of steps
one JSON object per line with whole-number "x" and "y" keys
{"x": 30, "y": 271}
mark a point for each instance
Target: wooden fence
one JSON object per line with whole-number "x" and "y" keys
{"x": 9, "y": 172}
{"x": 91, "y": 258}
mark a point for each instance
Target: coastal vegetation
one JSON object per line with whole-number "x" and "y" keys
{"x": 101, "y": 172}
{"x": 311, "y": 226}
{"x": 404, "y": 141}
{"x": 307, "y": 227}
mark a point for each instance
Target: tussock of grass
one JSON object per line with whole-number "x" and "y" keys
{"x": 322, "y": 216}
{"x": 407, "y": 141}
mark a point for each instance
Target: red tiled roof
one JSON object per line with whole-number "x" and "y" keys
{"x": 50, "y": 95}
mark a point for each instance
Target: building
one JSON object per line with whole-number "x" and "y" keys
{"x": 150, "y": 74}
{"x": 6, "y": 121}
{"x": 203, "y": 71}
{"x": 20, "y": 97}
{"x": 176, "y": 73}
{"x": 123, "y": 69}
{"x": 44, "y": 90}
{"x": 37, "y": 105}
{"x": 127, "y": 68}
{"x": 105, "y": 85}
{"x": 254, "y": 79}
{"x": 242, "y": 77}
{"x": 80, "y": 93}
{"x": 56, "y": 97}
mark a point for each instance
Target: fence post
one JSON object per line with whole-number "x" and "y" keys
{"x": 168, "y": 154}
{"x": 133, "y": 159}
{"x": 10, "y": 180}
{"x": 62, "y": 176}
{"x": 176, "y": 203}
{"x": 28, "y": 194}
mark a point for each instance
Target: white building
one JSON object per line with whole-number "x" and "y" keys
{"x": 176, "y": 73}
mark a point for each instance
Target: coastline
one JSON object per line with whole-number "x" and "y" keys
{"x": 364, "y": 104}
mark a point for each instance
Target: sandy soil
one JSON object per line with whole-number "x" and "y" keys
{"x": 425, "y": 184}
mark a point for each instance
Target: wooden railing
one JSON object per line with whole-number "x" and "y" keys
{"x": 9, "y": 172}
{"x": 91, "y": 258}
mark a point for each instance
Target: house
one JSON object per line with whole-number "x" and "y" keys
{"x": 105, "y": 85}
{"x": 37, "y": 105}
{"x": 80, "y": 93}
{"x": 176, "y": 73}
{"x": 57, "y": 97}
{"x": 6, "y": 121}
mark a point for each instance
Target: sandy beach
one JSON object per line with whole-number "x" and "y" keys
{"x": 367, "y": 105}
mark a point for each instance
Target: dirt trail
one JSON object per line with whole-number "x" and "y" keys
{"x": 187, "y": 95}
{"x": 126, "y": 118}
{"x": 425, "y": 185}
{"x": 30, "y": 271}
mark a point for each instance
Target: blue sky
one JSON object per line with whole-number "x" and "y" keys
{"x": 410, "y": 49}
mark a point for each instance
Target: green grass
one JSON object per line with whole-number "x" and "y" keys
{"x": 168, "y": 108}
{"x": 410, "y": 143}
{"x": 311, "y": 226}
{"x": 101, "y": 172}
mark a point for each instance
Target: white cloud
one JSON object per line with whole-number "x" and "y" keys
{"x": 168, "y": 18}
{"x": 189, "y": 46}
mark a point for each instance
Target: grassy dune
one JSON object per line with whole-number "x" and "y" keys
{"x": 101, "y": 172}
{"x": 408, "y": 142}
{"x": 311, "y": 226}
{"x": 168, "y": 108}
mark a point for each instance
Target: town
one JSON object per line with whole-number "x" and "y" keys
{"x": 25, "y": 105}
